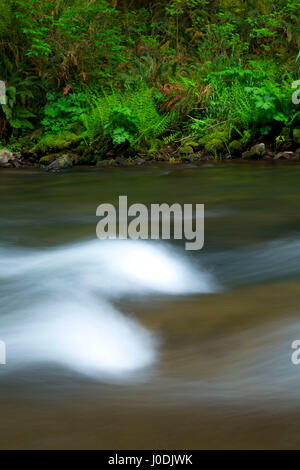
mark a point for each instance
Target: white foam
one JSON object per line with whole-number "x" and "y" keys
{"x": 114, "y": 267}
{"x": 87, "y": 336}
{"x": 63, "y": 313}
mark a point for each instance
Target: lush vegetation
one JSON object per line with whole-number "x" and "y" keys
{"x": 148, "y": 78}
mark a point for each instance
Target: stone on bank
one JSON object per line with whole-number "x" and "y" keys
{"x": 61, "y": 163}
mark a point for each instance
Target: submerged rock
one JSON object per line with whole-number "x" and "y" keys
{"x": 62, "y": 163}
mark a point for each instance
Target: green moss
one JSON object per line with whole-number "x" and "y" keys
{"x": 192, "y": 143}
{"x": 296, "y": 135}
{"x": 236, "y": 146}
{"x": 215, "y": 141}
{"x": 46, "y": 160}
{"x": 52, "y": 142}
{"x": 186, "y": 150}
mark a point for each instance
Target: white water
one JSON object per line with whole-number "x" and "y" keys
{"x": 67, "y": 316}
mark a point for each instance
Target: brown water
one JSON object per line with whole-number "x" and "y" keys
{"x": 138, "y": 345}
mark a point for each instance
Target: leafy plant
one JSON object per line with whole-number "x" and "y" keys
{"x": 16, "y": 113}
{"x": 122, "y": 126}
{"x": 225, "y": 64}
{"x": 131, "y": 117}
{"x": 199, "y": 126}
{"x": 270, "y": 104}
{"x": 61, "y": 112}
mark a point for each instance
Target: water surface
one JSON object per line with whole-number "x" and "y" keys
{"x": 141, "y": 344}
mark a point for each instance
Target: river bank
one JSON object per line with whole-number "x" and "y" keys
{"x": 57, "y": 161}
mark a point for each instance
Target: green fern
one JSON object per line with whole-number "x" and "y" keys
{"x": 134, "y": 112}
{"x": 171, "y": 138}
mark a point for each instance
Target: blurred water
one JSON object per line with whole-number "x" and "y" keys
{"x": 137, "y": 344}
{"x": 63, "y": 312}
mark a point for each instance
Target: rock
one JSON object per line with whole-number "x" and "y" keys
{"x": 283, "y": 156}
{"x": 287, "y": 145}
{"x": 256, "y": 152}
{"x": 122, "y": 162}
{"x": 47, "y": 160}
{"x": 269, "y": 155}
{"x": 62, "y": 163}
{"x": 103, "y": 163}
{"x": 75, "y": 158}
{"x": 8, "y": 159}
{"x": 15, "y": 163}
{"x": 247, "y": 155}
{"x": 5, "y": 157}
{"x": 258, "y": 149}
{"x": 18, "y": 155}
{"x": 6, "y": 165}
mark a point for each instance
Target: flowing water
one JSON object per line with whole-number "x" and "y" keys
{"x": 125, "y": 344}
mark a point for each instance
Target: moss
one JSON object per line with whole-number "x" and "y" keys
{"x": 51, "y": 142}
{"x": 236, "y": 146}
{"x": 215, "y": 141}
{"x": 46, "y": 160}
{"x": 187, "y": 149}
{"x": 296, "y": 135}
{"x": 192, "y": 143}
